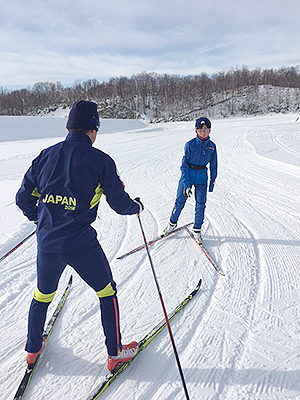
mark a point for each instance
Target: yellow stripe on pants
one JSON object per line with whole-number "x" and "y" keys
{"x": 106, "y": 292}
{"x": 43, "y": 298}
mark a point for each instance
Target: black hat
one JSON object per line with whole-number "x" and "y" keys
{"x": 83, "y": 115}
{"x": 201, "y": 121}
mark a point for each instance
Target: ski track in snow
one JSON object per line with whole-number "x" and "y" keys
{"x": 239, "y": 337}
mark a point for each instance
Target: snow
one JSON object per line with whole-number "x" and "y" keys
{"x": 239, "y": 337}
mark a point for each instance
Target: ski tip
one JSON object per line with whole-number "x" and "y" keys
{"x": 71, "y": 279}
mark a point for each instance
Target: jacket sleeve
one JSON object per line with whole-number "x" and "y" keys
{"x": 184, "y": 166}
{"x": 214, "y": 167}
{"x": 27, "y": 196}
{"x": 113, "y": 189}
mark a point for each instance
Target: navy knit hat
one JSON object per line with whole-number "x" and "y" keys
{"x": 201, "y": 121}
{"x": 83, "y": 115}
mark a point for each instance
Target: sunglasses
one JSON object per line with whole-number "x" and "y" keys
{"x": 201, "y": 126}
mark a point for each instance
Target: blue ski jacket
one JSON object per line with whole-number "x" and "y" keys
{"x": 62, "y": 190}
{"x": 197, "y": 155}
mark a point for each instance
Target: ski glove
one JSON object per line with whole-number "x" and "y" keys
{"x": 187, "y": 192}
{"x": 138, "y": 200}
{"x": 211, "y": 186}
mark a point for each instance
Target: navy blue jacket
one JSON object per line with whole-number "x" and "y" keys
{"x": 62, "y": 190}
{"x": 198, "y": 153}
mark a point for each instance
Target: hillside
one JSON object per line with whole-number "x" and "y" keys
{"x": 164, "y": 98}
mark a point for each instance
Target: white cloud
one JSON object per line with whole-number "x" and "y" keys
{"x": 69, "y": 40}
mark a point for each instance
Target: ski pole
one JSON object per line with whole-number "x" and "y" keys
{"x": 165, "y": 312}
{"x": 17, "y": 246}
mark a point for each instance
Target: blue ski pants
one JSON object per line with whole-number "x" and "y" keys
{"x": 92, "y": 265}
{"x": 200, "y": 197}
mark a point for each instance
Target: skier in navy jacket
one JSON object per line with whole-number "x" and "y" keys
{"x": 198, "y": 154}
{"x": 61, "y": 193}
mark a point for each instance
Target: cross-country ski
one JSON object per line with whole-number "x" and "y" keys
{"x": 157, "y": 239}
{"x": 47, "y": 332}
{"x": 111, "y": 376}
{"x": 206, "y": 253}
{"x": 17, "y": 246}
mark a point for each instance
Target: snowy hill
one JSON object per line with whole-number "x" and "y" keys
{"x": 239, "y": 338}
{"x": 242, "y": 102}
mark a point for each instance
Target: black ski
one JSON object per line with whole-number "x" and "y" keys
{"x": 111, "y": 376}
{"x": 207, "y": 254}
{"x": 47, "y": 332}
{"x": 158, "y": 238}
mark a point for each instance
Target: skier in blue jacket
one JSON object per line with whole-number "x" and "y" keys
{"x": 198, "y": 154}
{"x": 61, "y": 193}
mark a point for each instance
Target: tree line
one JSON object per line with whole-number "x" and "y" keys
{"x": 163, "y": 97}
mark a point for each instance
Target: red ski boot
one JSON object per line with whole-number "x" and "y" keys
{"x": 127, "y": 353}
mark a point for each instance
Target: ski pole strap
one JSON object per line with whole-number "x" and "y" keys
{"x": 193, "y": 166}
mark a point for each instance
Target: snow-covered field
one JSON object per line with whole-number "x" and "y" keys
{"x": 239, "y": 338}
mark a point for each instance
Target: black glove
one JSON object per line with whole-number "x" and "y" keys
{"x": 187, "y": 192}
{"x": 138, "y": 200}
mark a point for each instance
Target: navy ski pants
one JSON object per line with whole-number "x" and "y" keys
{"x": 92, "y": 265}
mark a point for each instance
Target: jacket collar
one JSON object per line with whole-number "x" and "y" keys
{"x": 78, "y": 136}
{"x": 202, "y": 141}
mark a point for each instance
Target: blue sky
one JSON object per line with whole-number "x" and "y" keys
{"x": 66, "y": 41}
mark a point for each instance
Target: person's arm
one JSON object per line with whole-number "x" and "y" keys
{"x": 113, "y": 189}
{"x": 184, "y": 166}
{"x": 27, "y": 196}
{"x": 213, "y": 170}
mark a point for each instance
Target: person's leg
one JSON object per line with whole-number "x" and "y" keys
{"x": 49, "y": 270}
{"x": 200, "y": 196}
{"x": 110, "y": 321}
{"x": 179, "y": 203}
{"x": 93, "y": 267}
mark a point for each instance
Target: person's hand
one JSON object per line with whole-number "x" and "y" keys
{"x": 187, "y": 192}
{"x": 138, "y": 201}
{"x": 211, "y": 186}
